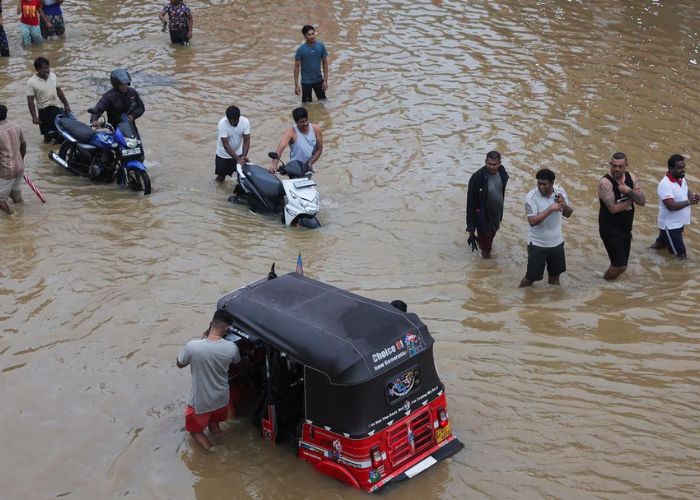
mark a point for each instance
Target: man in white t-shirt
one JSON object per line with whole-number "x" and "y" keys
{"x": 43, "y": 92}
{"x": 674, "y": 207}
{"x": 544, "y": 207}
{"x": 232, "y": 144}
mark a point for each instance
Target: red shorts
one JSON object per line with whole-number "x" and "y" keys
{"x": 197, "y": 422}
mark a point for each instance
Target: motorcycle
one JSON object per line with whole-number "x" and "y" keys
{"x": 295, "y": 198}
{"x": 104, "y": 155}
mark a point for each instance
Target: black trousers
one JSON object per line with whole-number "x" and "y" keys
{"x": 179, "y": 36}
{"x": 317, "y": 87}
{"x": 4, "y": 46}
{"x": 47, "y": 116}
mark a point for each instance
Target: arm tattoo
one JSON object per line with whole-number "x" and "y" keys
{"x": 606, "y": 195}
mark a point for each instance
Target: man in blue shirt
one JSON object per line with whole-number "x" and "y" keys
{"x": 308, "y": 59}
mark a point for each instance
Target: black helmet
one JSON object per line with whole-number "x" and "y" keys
{"x": 119, "y": 76}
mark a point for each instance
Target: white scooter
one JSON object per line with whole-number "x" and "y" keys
{"x": 296, "y": 198}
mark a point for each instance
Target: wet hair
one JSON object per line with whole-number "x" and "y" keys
{"x": 3, "y": 111}
{"x": 673, "y": 160}
{"x": 494, "y": 155}
{"x": 400, "y": 305}
{"x": 619, "y": 156}
{"x": 299, "y": 113}
{"x": 306, "y": 29}
{"x": 233, "y": 113}
{"x": 546, "y": 175}
{"x": 221, "y": 320}
{"x": 40, "y": 61}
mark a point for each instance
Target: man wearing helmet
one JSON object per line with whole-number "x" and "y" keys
{"x": 121, "y": 99}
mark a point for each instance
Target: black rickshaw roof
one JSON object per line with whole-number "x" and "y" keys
{"x": 349, "y": 338}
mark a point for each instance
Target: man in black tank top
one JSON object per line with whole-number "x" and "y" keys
{"x": 618, "y": 191}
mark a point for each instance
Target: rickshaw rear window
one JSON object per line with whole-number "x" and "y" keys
{"x": 402, "y": 384}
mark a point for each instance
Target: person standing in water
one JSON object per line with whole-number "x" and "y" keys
{"x": 618, "y": 191}
{"x": 304, "y": 139}
{"x": 311, "y": 60}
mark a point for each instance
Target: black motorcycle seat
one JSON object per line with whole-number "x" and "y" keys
{"x": 78, "y": 130}
{"x": 267, "y": 183}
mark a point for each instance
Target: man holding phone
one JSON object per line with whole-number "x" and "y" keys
{"x": 544, "y": 208}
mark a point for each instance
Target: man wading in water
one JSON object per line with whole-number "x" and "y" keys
{"x": 618, "y": 191}
{"x": 485, "y": 197}
{"x": 304, "y": 139}
{"x": 209, "y": 359}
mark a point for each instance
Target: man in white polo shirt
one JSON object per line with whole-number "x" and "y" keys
{"x": 544, "y": 207}
{"x": 232, "y": 144}
{"x": 674, "y": 207}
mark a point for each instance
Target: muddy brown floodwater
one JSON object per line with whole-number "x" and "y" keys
{"x": 591, "y": 390}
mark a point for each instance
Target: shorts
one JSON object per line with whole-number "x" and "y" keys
{"x": 224, "y": 166}
{"x": 30, "y": 34}
{"x": 47, "y": 117}
{"x": 197, "y": 422}
{"x": 317, "y": 87}
{"x": 179, "y": 36}
{"x": 58, "y": 27}
{"x": 618, "y": 248}
{"x": 672, "y": 239}
{"x": 8, "y": 186}
{"x": 539, "y": 257}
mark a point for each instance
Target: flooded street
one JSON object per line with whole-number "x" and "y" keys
{"x": 591, "y": 390}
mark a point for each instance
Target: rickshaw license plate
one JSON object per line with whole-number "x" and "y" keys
{"x": 443, "y": 433}
{"x": 130, "y": 152}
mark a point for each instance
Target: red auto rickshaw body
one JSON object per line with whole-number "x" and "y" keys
{"x": 348, "y": 380}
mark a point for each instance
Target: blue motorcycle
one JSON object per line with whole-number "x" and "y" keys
{"x": 104, "y": 155}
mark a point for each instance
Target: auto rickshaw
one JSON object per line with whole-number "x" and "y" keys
{"x": 349, "y": 381}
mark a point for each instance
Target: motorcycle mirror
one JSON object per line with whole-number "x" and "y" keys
{"x": 273, "y": 155}
{"x": 92, "y": 111}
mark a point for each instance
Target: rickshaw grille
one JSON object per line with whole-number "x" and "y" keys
{"x": 400, "y": 447}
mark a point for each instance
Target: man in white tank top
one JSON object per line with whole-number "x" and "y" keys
{"x": 304, "y": 139}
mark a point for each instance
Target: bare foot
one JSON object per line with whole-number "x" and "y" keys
{"x": 214, "y": 428}
{"x": 17, "y": 198}
{"x": 220, "y": 178}
{"x": 553, "y": 280}
{"x": 201, "y": 440}
{"x": 6, "y": 208}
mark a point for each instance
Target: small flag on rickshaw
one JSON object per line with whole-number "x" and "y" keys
{"x": 33, "y": 187}
{"x": 300, "y": 266}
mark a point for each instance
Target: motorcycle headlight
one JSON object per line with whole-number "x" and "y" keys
{"x": 132, "y": 143}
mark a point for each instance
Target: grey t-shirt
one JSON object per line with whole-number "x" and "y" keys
{"x": 548, "y": 232}
{"x": 494, "y": 201}
{"x": 209, "y": 362}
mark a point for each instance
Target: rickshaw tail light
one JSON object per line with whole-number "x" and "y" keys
{"x": 376, "y": 457}
{"x": 442, "y": 417}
